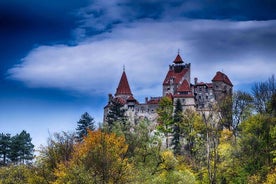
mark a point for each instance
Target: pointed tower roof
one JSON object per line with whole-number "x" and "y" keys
{"x": 123, "y": 87}
{"x": 178, "y": 59}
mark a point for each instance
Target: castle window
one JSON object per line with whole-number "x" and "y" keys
{"x": 206, "y": 97}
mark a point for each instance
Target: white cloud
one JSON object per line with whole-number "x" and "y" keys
{"x": 146, "y": 48}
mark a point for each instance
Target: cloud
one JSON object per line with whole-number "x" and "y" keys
{"x": 242, "y": 49}
{"x": 101, "y": 16}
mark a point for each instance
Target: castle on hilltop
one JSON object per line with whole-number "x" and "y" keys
{"x": 176, "y": 85}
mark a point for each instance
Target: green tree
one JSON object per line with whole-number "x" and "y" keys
{"x": 177, "y": 119}
{"x": 84, "y": 124}
{"x": 21, "y": 149}
{"x": 165, "y": 117}
{"x": 5, "y": 143}
{"x": 194, "y": 132}
{"x": 116, "y": 113}
{"x": 257, "y": 144}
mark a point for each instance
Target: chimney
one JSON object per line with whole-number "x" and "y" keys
{"x": 110, "y": 97}
{"x": 195, "y": 80}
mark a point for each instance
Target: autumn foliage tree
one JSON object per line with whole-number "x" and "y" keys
{"x": 100, "y": 158}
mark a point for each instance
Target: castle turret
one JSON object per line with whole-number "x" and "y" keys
{"x": 222, "y": 86}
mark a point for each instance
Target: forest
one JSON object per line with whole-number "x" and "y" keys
{"x": 234, "y": 143}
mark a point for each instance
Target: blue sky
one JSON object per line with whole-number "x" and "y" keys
{"x": 60, "y": 59}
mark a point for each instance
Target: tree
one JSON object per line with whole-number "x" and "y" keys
{"x": 59, "y": 149}
{"x": 100, "y": 158}
{"x": 22, "y": 149}
{"x": 262, "y": 93}
{"x": 165, "y": 117}
{"x": 20, "y": 174}
{"x": 242, "y": 108}
{"x": 257, "y": 144}
{"x": 177, "y": 118}
{"x": 272, "y": 105}
{"x": 224, "y": 110}
{"x": 116, "y": 113}
{"x": 172, "y": 170}
{"x": 84, "y": 124}
{"x": 5, "y": 143}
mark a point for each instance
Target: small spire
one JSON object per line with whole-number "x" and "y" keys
{"x": 178, "y": 51}
{"x": 178, "y": 59}
{"x": 124, "y": 68}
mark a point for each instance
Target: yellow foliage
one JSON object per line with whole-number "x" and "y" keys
{"x": 271, "y": 177}
{"x": 169, "y": 161}
{"x": 101, "y": 155}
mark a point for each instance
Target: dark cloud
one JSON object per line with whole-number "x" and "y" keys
{"x": 29, "y": 23}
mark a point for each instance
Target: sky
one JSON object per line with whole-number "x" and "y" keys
{"x": 59, "y": 59}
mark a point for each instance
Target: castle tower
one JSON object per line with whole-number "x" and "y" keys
{"x": 177, "y": 83}
{"x": 123, "y": 95}
{"x": 178, "y": 72}
{"x": 222, "y": 86}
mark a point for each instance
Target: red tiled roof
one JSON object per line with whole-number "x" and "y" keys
{"x": 132, "y": 99}
{"x": 221, "y": 77}
{"x": 123, "y": 87}
{"x": 178, "y": 59}
{"x": 175, "y": 76}
{"x": 120, "y": 100}
{"x": 185, "y": 86}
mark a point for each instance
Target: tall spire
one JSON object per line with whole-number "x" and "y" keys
{"x": 123, "y": 87}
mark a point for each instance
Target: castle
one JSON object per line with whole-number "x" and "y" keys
{"x": 177, "y": 85}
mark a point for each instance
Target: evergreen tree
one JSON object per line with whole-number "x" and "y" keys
{"x": 5, "y": 142}
{"x": 21, "y": 149}
{"x": 115, "y": 114}
{"x": 177, "y": 118}
{"x": 84, "y": 124}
